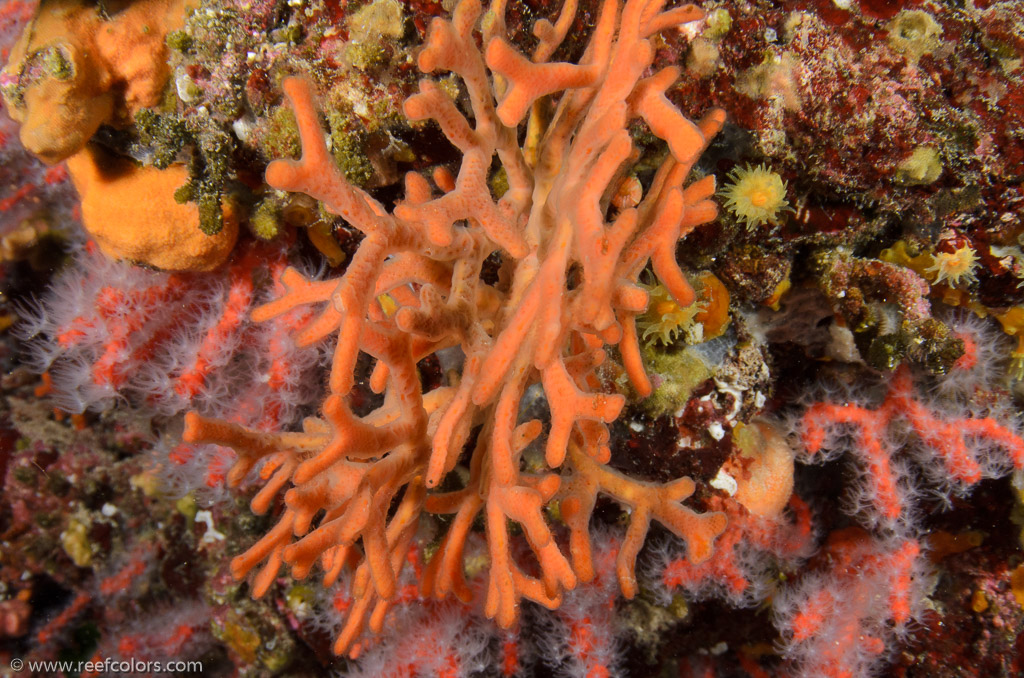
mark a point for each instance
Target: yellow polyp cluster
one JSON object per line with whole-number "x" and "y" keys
{"x": 930, "y": 267}
{"x": 945, "y": 270}
{"x": 756, "y": 195}
{"x": 665, "y": 321}
{"x": 954, "y": 268}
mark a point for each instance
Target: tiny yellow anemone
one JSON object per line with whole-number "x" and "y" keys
{"x": 954, "y": 268}
{"x": 665, "y": 319}
{"x": 756, "y": 195}
{"x": 705, "y": 319}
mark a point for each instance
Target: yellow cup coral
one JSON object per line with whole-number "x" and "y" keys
{"x": 665, "y": 319}
{"x": 755, "y": 195}
{"x": 705, "y": 319}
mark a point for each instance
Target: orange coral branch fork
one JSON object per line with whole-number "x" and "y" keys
{"x": 540, "y": 323}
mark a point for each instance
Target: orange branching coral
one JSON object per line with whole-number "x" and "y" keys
{"x": 567, "y": 286}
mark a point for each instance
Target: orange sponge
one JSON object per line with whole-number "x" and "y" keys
{"x": 132, "y": 214}
{"x": 75, "y": 68}
{"x": 763, "y": 468}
